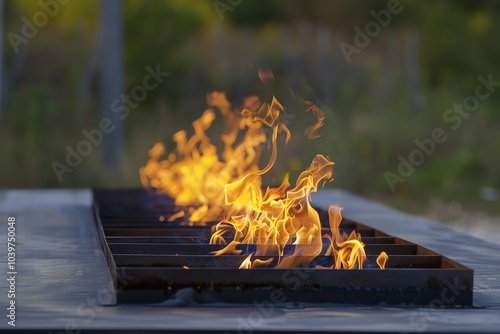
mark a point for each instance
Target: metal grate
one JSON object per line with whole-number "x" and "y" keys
{"x": 149, "y": 260}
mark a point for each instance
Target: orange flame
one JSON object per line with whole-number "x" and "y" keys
{"x": 272, "y": 219}
{"x": 266, "y": 75}
{"x": 382, "y": 260}
{"x": 348, "y": 251}
{"x": 193, "y": 174}
{"x": 173, "y": 217}
{"x": 228, "y": 188}
{"x": 320, "y": 115}
{"x": 246, "y": 264}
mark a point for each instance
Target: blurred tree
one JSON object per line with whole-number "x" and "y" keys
{"x": 156, "y": 33}
{"x": 449, "y": 47}
{"x": 255, "y": 13}
{"x": 111, "y": 78}
{"x": 1, "y": 57}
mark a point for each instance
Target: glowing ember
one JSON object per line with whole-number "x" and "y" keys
{"x": 173, "y": 217}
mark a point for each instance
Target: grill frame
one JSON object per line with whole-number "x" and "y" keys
{"x": 446, "y": 284}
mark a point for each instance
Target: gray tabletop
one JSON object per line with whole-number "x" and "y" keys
{"x": 62, "y": 279}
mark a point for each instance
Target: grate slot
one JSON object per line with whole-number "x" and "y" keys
{"x": 233, "y": 261}
{"x": 192, "y": 240}
{"x": 205, "y": 249}
{"x": 194, "y": 231}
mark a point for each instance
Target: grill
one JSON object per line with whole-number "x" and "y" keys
{"x": 153, "y": 260}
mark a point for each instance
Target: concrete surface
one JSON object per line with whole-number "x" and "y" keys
{"x": 62, "y": 277}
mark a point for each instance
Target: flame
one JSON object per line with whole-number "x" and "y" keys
{"x": 246, "y": 264}
{"x": 348, "y": 251}
{"x": 265, "y": 75}
{"x": 276, "y": 216}
{"x": 279, "y": 216}
{"x": 173, "y": 217}
{"x": 310, "y": 132}
{"x": 382, "y": 260}
{"x": 194, "y": 174}
{"x": 227, "y": 187}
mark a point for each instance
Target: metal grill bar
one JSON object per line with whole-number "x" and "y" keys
{"x": 148, "y": 254}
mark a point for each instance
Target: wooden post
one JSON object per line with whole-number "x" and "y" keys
{"x": 111, "y": 78}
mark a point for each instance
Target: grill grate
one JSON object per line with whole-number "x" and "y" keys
{"x": 148, "y": 259}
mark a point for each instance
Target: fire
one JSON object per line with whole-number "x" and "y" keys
{"x": 277, "y": 217}
{"x": 194, "y": 174}
{"x": 173, "y": 217}
{"x": 382, "y": 260}
{"x": 246, "y": 264}
{"x": 279, "y": 221}
{"x": 348, "y": 251}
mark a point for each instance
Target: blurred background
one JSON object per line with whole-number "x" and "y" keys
{"x": 384, "y": 72}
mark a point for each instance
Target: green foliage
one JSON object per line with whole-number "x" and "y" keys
{"x": 368, "y": 124}
{"x": 159, "y": 39}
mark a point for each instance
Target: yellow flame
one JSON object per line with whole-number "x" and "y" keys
{"x": 246, "y": 264}
{"x": 348, "y": 251}
{"x": 194, "y": 174}
{"x": 227, "y": 187}
{"x": 271, "y": 219}
{"x": 382, "y": 260}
